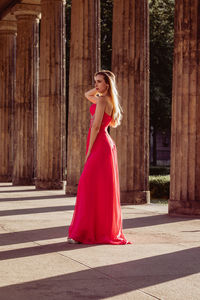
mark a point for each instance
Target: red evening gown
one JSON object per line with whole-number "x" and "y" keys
{"x": 97, "y": 215}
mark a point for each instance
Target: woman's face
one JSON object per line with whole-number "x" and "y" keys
{"x": 100, "y": 84}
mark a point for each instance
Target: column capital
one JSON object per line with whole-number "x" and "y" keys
{"x": 24, "y": 10}
{"x": 49, "y": 1}
{"x": 8, "y": 26}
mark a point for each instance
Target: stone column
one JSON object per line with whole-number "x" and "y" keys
{"x": 51, "y": 105}
{"x": 7, "y": 86}
{"x": 185, "y": 137}
{"x": 130, "y": 63}
{"x": 84, "y": 62}
{"x": 26, "y": 92}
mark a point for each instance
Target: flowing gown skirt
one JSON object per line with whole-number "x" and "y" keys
{"x": 97, "y": 215}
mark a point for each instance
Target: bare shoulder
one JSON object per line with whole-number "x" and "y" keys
{"x": 109, "y": 106}
{"x": 109, "y": 102}
{"x": 104, "y": 104}
{"x": 101, "y": 101}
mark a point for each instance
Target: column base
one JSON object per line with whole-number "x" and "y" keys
{"x": 180, "y": 208}
{"x": 48, "y": 185}
{"x": 71, "y": 190}
{"x": 135, "y": 197}
{"x": 23, "y": 181}
{"x": 5, "y": 178}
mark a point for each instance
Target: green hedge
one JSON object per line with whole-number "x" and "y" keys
{"x": 159, "y": 186}
{"x": 159, "y": 170}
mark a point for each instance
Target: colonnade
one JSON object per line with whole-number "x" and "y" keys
{"x": 32, "y": 107}
{"x": 42, "y": 145}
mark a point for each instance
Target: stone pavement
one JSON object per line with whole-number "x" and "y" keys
{"x": 36, "y": 262}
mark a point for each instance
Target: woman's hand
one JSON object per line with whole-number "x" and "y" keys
{"x": 91, "y": 95}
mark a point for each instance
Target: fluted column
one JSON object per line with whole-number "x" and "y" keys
{"x": 130, "y": 63}
{"x": 26, "y": 92}
{"x": 84, "y": 62}
{"x": 185, "y": 137}
{"x": 7, "y": 86}
{"x": 51, "y": 105}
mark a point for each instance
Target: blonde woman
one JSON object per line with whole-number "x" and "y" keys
{"x": 97, "y": 216}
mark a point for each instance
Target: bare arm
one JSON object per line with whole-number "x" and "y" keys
{"x": 99, "y": 112}
{"x": 91, "y": 95}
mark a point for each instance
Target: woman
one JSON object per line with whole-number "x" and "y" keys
{"x": 97, "y": 215}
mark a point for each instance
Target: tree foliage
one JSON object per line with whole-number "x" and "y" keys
{"x": 106, "y": 33}
{"x": 161, "y": 62}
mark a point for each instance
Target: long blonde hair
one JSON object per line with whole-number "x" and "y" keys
{"x": 109, "y": 78}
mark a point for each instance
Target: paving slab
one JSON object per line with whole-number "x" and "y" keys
{"x": 36, "y": 262}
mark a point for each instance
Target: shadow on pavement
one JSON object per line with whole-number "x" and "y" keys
{"x": 41, "y": 249}
{"x": 110, "y": 280}
{"x": 33, "y": 235}
{"x": 17, "y": 191}
{"x": 32, "y": 198}
{"x": 152, "y": 221}
{"x": 37, "y": 210}
{"x": 60, "y": 232}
